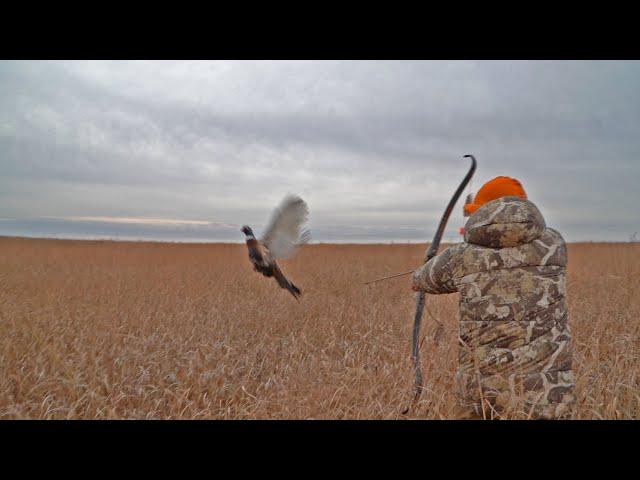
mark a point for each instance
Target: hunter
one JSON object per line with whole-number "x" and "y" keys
{"x": 515, "y": 341}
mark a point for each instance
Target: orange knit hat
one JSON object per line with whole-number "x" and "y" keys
{"x": 493, "y": 189}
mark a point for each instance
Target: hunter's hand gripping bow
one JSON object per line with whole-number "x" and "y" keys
{"x": 431, "y": 252}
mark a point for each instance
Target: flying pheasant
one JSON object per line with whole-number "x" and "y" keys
{"x": 280, "y": 240}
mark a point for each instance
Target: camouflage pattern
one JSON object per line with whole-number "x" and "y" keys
{"x": 515, "y": 353}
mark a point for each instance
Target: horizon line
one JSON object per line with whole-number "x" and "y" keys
{"x": 239, "y": 242}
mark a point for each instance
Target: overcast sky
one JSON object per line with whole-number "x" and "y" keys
{"x": 375, "y": 148}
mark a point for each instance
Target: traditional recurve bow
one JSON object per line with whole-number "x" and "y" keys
{"x": 431, "y": 252}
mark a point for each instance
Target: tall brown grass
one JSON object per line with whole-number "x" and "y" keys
{"x": 98, "y": 329}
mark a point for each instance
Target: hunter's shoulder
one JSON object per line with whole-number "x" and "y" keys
{"x": 553, "y": 247}
{"x": 453, "y": 253}
{"x": 553, "y": 235}
{"x": 548, "y": 249}
{"x": 456, "y": 248}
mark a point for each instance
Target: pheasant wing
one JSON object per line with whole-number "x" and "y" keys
{"x": 283, "y": 234}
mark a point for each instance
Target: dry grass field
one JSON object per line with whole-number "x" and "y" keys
{"x": 98, "y": 329}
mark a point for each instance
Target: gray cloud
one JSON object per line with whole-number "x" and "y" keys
{"x": 374, "y": 147}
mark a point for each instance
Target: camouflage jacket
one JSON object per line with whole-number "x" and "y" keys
{"x": 515, "y": 342}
